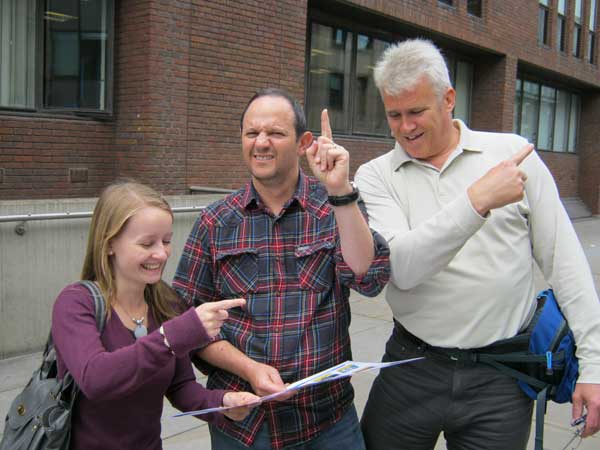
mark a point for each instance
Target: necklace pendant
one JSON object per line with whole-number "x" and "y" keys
{"x": 140, "y": 331}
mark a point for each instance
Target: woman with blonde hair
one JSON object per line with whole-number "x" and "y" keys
{"x": 142, "y": 353}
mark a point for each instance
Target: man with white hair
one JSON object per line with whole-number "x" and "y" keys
{"x": 466, "y": 214}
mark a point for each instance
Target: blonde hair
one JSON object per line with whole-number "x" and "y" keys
{"x": 404, "y": 64}
{"x": 117, "y": 203}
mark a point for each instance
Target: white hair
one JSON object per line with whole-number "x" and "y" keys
{"x": 404, "y": 64}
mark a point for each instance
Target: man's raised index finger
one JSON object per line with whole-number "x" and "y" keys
{"x": 227, "y": 304}
{"x": 522, "y": 154}
{"x": 325, "y": 126}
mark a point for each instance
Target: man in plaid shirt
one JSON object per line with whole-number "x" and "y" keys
{"x": 280, "y": 243}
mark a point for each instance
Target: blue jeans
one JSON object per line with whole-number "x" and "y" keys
{"x": 345, "y": 434}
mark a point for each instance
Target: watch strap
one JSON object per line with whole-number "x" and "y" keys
{"x": 341, "y": 200}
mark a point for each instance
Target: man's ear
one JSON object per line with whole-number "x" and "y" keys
{"x": 304, "y": 142}
{"x": 449, "y": 99}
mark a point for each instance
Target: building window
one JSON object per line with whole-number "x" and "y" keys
{"x": 561, "y": 26}
{"x": 591, "y": 47}
{"x": 474, "y": 7}
{"x": 543, "y": 22}
{"x": 577, "y": 41}
{"x": 461, "y": 75}
{"x": 18, "y": 33}
{"x": 446, "y": 2}
{"x": 547, "y": 116}
{"x": 340, "y": 79}
{"x": 56, "y": 54}
{"x": 577, "y": 30}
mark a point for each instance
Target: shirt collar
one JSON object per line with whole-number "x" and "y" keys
{"x": 466, "y": 142}
{"x": 251, "y": 198}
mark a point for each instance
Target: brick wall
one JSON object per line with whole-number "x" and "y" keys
{"x": 493, "y": 94}
{"x": 152, "y": 92}
{"x": 236, "y": 48}
{"x": 184, "y": 70}
{"x": 44, "y": 157}
{"x": 589, "y": 154}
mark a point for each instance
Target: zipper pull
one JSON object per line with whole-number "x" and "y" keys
{"x": 549, "y": 370}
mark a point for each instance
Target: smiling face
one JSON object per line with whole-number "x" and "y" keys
{"x": 269, "y": 143}
{"x": 421, "y": 122}
{"x": 140, "y": 251}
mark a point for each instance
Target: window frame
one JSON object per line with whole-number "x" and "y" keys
{"x": 592, "y": 35}
{"x": 577, "y": 29}
{"x": 517, "y": 128}
{"x": 543, "y": 25}
{"x": 372, "y": 29}
{"x": 480, "y": 9}
{"x": 39, "y": 107}
{"x": 577, "y": 32}
{"x": 561, "y": 26}
{"x": 354, "y": 31}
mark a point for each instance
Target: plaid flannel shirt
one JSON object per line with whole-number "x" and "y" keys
{"x": 290, "y": 270}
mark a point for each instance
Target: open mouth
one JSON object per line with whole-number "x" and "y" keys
{"x": 151, "y": 266}
{"x": 413, "y": 138}
{"x": 263, "y": 157}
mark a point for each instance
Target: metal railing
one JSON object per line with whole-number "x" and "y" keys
{"x": 23, "y": 218}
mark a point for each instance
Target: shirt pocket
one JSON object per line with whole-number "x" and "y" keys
{"x": 237, "y": 271}
{"x": 316, "y": 265}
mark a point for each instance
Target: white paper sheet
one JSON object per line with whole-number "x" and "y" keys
{"x": 342, "y": 370}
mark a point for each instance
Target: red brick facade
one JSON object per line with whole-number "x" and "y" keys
{"x": 183, "y": 71}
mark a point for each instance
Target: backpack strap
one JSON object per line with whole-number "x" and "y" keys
{"x": 492, "y": 360}
{"x": 542, "y": 396}
{"x": 540, "y": 412}
{"x": 49, "y": 355}
{"x": 99, "y": 303}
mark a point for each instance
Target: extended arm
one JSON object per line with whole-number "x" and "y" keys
{"x": 559, "y": 254}
{"x": 264, "y": 379}
{"x": 78, "y": 343}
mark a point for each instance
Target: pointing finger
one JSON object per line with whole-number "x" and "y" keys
{"x": 325, "y": 126}
{"x": 226, "y": 304}
{"x": 522, "y": 154}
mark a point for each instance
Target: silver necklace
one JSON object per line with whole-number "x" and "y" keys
{"x": 140, "y": 329}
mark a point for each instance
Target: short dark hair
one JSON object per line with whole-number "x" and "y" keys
{"x": 299, "y": 117}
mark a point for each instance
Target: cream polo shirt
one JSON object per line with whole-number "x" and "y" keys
{"x": 461, "y": 280}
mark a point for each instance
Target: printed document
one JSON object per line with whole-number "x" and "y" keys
{"x": 342, "y": 370}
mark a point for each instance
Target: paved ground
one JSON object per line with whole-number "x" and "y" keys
{"x": 371, "y": 326}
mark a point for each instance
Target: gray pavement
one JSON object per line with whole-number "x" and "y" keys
{"x": 371, "y": 326}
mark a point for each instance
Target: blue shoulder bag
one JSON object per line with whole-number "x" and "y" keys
{"x": 547, "y": 368}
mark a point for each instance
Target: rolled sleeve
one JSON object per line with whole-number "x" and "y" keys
{"x": 374, "y": 280}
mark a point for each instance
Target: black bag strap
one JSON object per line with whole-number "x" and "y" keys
{"x": 99, "y": 303}
{"x": 540, "y": 412}
{"x": 49, "y": 355}
{"x": 492, "y": 360}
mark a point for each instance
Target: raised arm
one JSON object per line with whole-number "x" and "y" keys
{"x": 330, "y": 163}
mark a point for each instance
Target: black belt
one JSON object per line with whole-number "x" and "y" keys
{"x": 456, "y": 355}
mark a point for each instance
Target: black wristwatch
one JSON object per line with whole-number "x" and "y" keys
{"x": 341, "y": 200}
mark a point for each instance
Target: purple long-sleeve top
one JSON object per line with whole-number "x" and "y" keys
{"x": 123, "y": 380}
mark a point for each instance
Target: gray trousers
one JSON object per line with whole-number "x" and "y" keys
{"x": 474, "y": 406}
